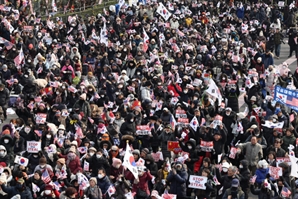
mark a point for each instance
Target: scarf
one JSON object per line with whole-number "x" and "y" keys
{"x": 165, "y": 174}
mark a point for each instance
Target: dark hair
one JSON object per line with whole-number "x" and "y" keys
{"x": 206, "y": 171}
{"x": 102, "y": 169}
{"x": 70, "y": 191}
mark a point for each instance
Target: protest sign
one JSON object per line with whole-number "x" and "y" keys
{"x": 41, "y": 118}
{"x": 233, "y": 152}
{"x": 28, "y": 28}
{"x": 33, "y": 146}
{"x": 174, "y": 146}
{"x": 283, "y": 159}
{"x": 197, "y": 182}
{"x": 183, "y": 120}
{"x": 206, "y": 146}
{"x": 180, "y": 114}
{"x": 143, "y": 130}
{"x": 275, "y": 172}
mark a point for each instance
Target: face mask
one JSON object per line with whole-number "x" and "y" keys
{"x": 102, "y": 96}
{"x": 47, "y": 192}
{"x": 120, "y": 86}
{"x": 1, "y": 153}
{"x": 100, "y": 176}
{"x": 195, "y": 98}
{"x": 57, "y": 93}
{"x": 27, "y": 129}
{"x": 90, "y": 90}
{"x": 6, "y": 141}
{"x": 228, "y": 114}
{"x": 63, "y": 87}
{"x": 189, "y": 147}
{"x": 35, "y": 156}
{"x": 241, "y": 166}
{"x": 49, "y": 136}
{"x": 98, "y": 156}
{"x": 257, "y": 135}
{"x": 274, "y": 120}
{"x": 147, "y": 162}
{"x": 185, "y": 91}
{"x": 118, "y": 166}
{"x": 225, "y": 170}
{"x": 91, "y": 154}
{"x": 132, "y": 120}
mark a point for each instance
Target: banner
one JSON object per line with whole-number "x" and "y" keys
{"x": 197, "y": 182}
{"x": 183, "y": 121}
{"x": 174, "y": 146}
{"x": 180, "y": 114}
{"x": 283, "y": 159}
{"x": 143, "y": 130}
{"x": 278, "y": 125}
{"x": 33, "y": 146}
{"x": 275, "y": 172}
{"x": 287, "y": 97}
{"x": 206, "y": 146}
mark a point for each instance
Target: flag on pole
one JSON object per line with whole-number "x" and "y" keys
{"x": 129, "y": 162}
{"x": 79, "y": 131}
{"x": 294, "y": 166}
{"x": 19, "y": 59}
{"x": 163, "y": 11}
{"x": 111, "y": 190}
{"x": 194, "y": 123}
{"x": 35, "y": 188}
{"x": 173, "y": 122}
{"x": 103, "y": 35}
{"x": 21, "y": 161}
{"x": 38, "y": 132}
{"x": 46, "y": 177}
{"x": 285, "y": 192}
{"x": 214, "y": 91}
{"x": 54, "y": 6}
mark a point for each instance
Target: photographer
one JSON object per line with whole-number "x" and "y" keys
{"x": 234, "y": 192}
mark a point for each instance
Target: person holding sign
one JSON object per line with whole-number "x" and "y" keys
{"x": 177, "y": 179}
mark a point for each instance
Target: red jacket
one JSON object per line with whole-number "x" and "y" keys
{"x": 143, "y": 182}
{"x": 173, "y": 88}
{"x": 74, "y": 165}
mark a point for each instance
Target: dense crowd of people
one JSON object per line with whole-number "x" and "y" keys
{"x": 142, "y": 101}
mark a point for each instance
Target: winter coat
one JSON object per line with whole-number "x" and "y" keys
{"x": 233, "y": 102}
{"x": 143, "y": 182}
{"x": 253, "y": 153}
{"x": 145, "y": 93}
{"x": 193, "y": 153}
{"x": 103, "y": 184}
{"x": 4, "y": 97}
{"x": 244, "y": 175}
{"x": 12, "y": 191}
{"x": 178, "y": 183}
{"x": 164, "y": 138}
{"x": 261, "y": 175}
{"x": 96, "y": 163}
{"x": 128, "y": 128}
{"x": 93, "y": 193}
{"x": 84, "y": 107}
{"x": 287, "y": 140}
{"x": 240, "y": 194}
{"x": 73, "y": 165}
